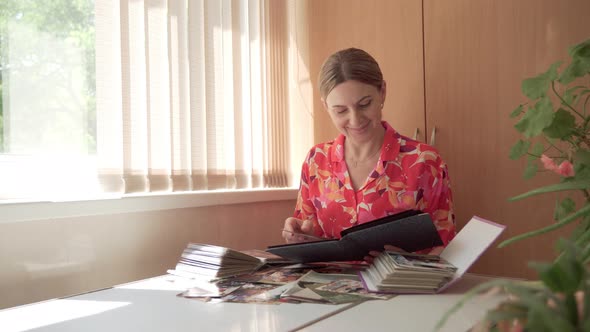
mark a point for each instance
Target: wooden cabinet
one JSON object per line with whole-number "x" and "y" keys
{"x": 391, "y": 31}
{"x": 476, "y": 55}
{"x": 457, "y": 65}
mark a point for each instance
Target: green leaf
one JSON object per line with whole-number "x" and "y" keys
{"x": 581, "y": 234}
{"x": 519, "y": 149}
{"x": 536, "y": 119}
{"x": 581, "y": 50}
{"x": 582, "y": 156}
{"x": 572, "y": 96}
{"x": 569, "y": 96}
{"x": 536, "y": 87}
{"x": 563, "y": 276}
{"x": 517, "y": 111}
{"x": 537, "y": 150}
{"x": 577, "y": 68}
{"x": 541, "y": 321}
{"x": 572, "y": 308}
{"x": 586, "y": 314}
{"x": 562, "y": 126}
{"x": 563, "y": 208}
{"x": 507, "y": 311}
{"x": 583, "y": 93}
{"x": 542, "y": 313}
{"x": 570, "y": 185}
{"x": 574, "y": 88}
{"x": 580, "y": 64}
{"x": 579, "y": 97}
{"x": 585, "y": 324}
{"x": 545, "y": 268}
{"x": 585, "y": 254}
{"x": 530, "y": 170}
{"x": 581, "y": 170}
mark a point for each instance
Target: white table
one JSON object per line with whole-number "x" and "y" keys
{"x": 414, "y": 312}
{"x": 152, "y": 305}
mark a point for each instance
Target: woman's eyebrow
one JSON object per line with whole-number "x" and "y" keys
{"x": 363, "y": 99}
{"x": 358, "y": 102}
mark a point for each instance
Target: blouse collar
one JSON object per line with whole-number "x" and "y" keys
{"x": 389, "y": 150}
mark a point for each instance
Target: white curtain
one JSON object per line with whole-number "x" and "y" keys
{"x": 193, "y": 94}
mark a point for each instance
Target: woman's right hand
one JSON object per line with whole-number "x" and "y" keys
{"x": 297, "y": 230}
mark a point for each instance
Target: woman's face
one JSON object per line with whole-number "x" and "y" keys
{"x": 355, "y": 109}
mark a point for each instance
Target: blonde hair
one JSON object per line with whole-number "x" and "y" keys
{"x": 349, "y": 64}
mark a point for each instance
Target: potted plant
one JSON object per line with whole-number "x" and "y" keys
{"x": 555, "y": 128}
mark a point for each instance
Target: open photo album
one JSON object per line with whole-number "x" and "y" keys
{"x": 395, "y": 272}
{"x": 409, "y": 230}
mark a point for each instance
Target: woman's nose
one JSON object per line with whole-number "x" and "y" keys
{"x": 355, "y": 117}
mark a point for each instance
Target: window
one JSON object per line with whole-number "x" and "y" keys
{"x": 141, "y": 96}
{"x": 47, "y": 96}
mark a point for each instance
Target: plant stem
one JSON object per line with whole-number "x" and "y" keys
{"x": 573, "y": 185}
{"x": 570, "y": 141}
{"x": 561, "y": 223}
{"x": 563, "y": 100}
{"x": 588, "y": 119}
{"x": 552, "y": 145}
{"x": 584, "y": 255}
{"x": 572, "y": 308}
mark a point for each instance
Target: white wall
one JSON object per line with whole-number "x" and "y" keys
{"x": 58, "y": 257}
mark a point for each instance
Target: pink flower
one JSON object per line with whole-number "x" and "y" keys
{"x": 548, "y": 163}
{"x": 565, "y": 169}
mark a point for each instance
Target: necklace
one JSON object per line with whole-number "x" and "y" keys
{"x": 355, "y": 162}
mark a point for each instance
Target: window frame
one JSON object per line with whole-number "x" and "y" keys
{"x": 22, "y": 211}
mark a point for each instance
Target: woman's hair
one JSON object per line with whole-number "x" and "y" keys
{"x": 349, "y": 64}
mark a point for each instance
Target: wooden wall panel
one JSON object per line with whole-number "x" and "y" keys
{"x": 391, "y": 31}
{"x": 476, "y": 55}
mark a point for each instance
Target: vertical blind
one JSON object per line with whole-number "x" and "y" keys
{"x": 192, "y": 94}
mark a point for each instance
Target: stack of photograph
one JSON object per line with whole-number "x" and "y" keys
{"x": 210, "y": 262}
{"x": 394, "y": 272}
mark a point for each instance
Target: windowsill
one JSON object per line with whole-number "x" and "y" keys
{"x": 27, "y": 211}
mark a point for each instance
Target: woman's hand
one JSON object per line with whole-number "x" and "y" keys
{"x": 297, "y": 230}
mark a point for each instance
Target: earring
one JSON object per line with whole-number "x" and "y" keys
{"x": 381, "y": 105}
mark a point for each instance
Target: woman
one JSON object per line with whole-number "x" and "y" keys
{"x": 369, "y": 171}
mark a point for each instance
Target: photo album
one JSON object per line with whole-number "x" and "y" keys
{"x": 395, "y": 272}
{"x": 409, "y": 230}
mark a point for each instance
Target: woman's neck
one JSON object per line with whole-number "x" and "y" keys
{"x": 364, "y": 151}
{"x": 360, "y": 153}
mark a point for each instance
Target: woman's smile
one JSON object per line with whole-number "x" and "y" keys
{"x": 359, "y": 130}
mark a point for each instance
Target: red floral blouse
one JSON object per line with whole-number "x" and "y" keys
{"x": 408, "y": 175}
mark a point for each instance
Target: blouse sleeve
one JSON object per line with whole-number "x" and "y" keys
{"x": 304, "y": 208}
{"x": 440, "y": 205}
